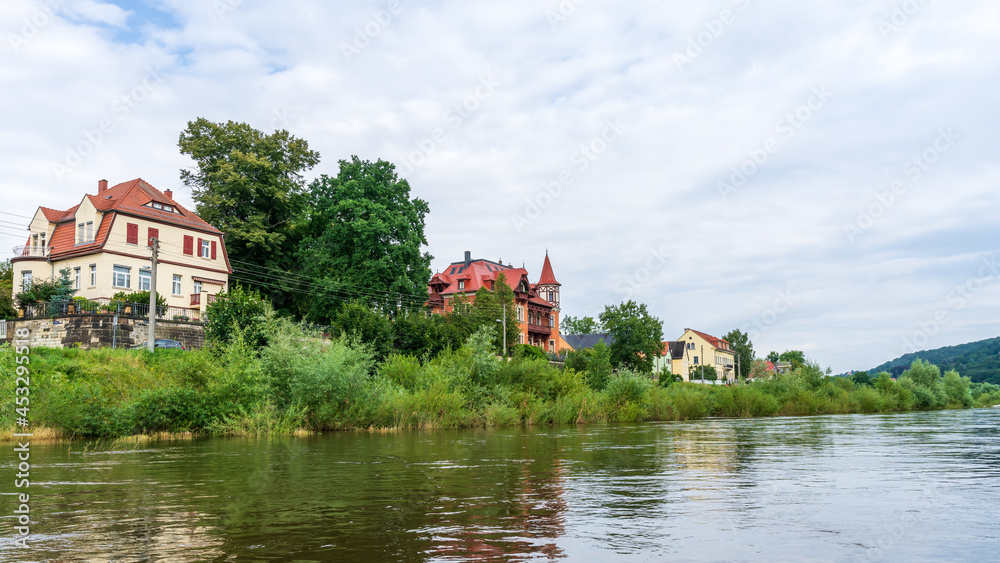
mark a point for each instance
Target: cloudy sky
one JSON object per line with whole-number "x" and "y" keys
{"x": 821, "y": 174}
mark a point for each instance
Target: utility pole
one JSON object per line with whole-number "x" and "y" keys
{"x": 155, "y": 245}
{"x": 505, "y": 330}
{"x": 738, "y": 374}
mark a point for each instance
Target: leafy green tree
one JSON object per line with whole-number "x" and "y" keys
{"x": 599, "y": 367}
{"x": 585, "y": 325}
{"x": 7, "y": 310}
{"x": 740, "y": 341}
{"x": 923, "y": 373}
{"x": 704, "y": 372}
{"x": 56, "y": 292}
{"x": 758, "y": 369}
{"x": 795, "y": 357}
{"x": 957, "y": 388}
{"x": 861, "y": 378}
{"x": 773, "y": 357}
{"x": 638, "y": 336}
{"x": 238, "y": 314}
{"x": 250, "y": 186}
{"x": 364, "y": 237}
{"x": 373, "y": 328}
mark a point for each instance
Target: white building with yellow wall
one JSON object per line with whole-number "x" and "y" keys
{"x": 104, "y": 241}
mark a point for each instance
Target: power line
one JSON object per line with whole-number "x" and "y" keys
{"x": 16, "y": 215}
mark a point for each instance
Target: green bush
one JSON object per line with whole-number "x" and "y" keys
{"x": 170, "y": 410}
{"x": 239, "y": 312}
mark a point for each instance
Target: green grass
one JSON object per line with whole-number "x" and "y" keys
{"x": 300, "y": 382}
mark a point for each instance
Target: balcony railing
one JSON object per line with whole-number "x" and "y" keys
{"x": 104, "y": 307}
{"x": 539, "y": 329}
{"x": 195, "y": 299}
{"x": 32, "y": 251}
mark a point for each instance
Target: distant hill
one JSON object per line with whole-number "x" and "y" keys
{"x": 979, "y": 361}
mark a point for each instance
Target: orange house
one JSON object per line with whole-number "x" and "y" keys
{"x": 536, "y": 304}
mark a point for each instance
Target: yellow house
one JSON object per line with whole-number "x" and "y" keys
{"x": 105, "y": 242}
{"x": 694, "y": 349}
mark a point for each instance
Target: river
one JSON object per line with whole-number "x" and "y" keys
{"x": 904, "y": 487}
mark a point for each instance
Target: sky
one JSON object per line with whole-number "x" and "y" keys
{"x": 822, "y": 175}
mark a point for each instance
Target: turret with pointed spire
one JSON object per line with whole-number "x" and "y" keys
{"x": 547, "y": 286}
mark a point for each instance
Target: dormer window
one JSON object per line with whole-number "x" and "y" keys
{"x": 162, "y": 207}
{"x": 461, "y": 284}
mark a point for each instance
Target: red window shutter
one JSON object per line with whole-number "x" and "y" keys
{"x": 213, "y": 250}
{"x": 188, "y": 245}
{"x": 132, "y": 233}
{"x": 198, "y": 251}
{"x": 153, "y": 233}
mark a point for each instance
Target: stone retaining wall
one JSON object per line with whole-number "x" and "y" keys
{"x": 104, "y": 331}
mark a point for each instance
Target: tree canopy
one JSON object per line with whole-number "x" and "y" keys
{"x": 7, "y": 310}
{"x": 584, "y": 325}
{"x": 364, "y": 235}
{"x": 638, "y": 336}
{"x": 740, "y": 341}
{"x": 250, "y": 186}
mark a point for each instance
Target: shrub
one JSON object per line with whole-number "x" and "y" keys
{"x": 528, "y": 351}
{"x": 170, "y": 410}
{"x": 744, "y": 401}
{"x": 627, "y": 387}
{"x": 238, "y": 311}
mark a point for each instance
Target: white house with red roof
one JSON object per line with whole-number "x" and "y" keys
{"x": 104, "y": 241}
{"x": 536, "y": 304}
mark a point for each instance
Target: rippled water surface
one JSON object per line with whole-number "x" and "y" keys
{"x": 910, "y": 487}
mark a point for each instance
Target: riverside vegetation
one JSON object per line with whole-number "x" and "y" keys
{"x": 293, "y": 379}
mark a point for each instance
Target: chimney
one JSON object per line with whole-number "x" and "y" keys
{"x": 102, "y": 186}
{"x": 468, "y": 258}
{"x": 169, "y": 194}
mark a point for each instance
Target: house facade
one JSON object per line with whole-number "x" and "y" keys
{"x": 104, "y": 240}
{"x": 536, "y": 304}
{"x": 693, "y": 349}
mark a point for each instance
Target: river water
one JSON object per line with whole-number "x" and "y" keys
{"x": 907, "y": 487}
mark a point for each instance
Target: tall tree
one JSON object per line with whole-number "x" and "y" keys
{"x": 740, "y": 341}
{"x": 364, "y": 236}
{"x": 7, "y": 310}
{"x": 583, "y": 325}
{"x": 795, "y": 357}
{"x": 250, "y": 186}
{"x": 773, "y": 357}
{"x": 638, "y": 336}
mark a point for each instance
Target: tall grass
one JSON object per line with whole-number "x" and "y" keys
{"x": 300, "y": 381}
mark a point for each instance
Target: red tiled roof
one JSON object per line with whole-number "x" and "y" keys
{"x": 481, "y": 273}
{"x": 128, "y": 198}
{"x": 717, "y": 342}
{"x": 131, "y": 197}
{"x": 547, "y": 276}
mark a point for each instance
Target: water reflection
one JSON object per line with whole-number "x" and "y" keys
{"x": 883, "y": 487}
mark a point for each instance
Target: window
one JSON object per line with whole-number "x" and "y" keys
{"x": 76, "y": 278}
{"x": 93, "y": 275}
{"x": 461, "y": 284}
{"x": 90, "y": 231}
{"x": 551, "y": 294}
{"x": 552, "y": 321}
{"x": 131, "y": 233}
{"x": 41, "y": 237}
{"x": 188, "y": 245}
{"x": 696, "y": 360}
{"x": 79, "y": 233}
{"x": 520, "y": 315}
{"x": 151, "y": 233}
{"x": 197, "y": 287}
{"x": 144, "y": 280}
{"x": 121, "y": 277}
{"x": 25, "y": 280}
{"x": 690, "y": 345}
{"x": 176, "y": 289}
{"x": 34, "y": 243}
{"x": 205, "y": 248}
{"x": 552, "y": 345}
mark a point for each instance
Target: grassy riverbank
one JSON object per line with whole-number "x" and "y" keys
{"x": 300, "y": 383}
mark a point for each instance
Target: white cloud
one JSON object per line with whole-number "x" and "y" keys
{"x": 283, "y": 65}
